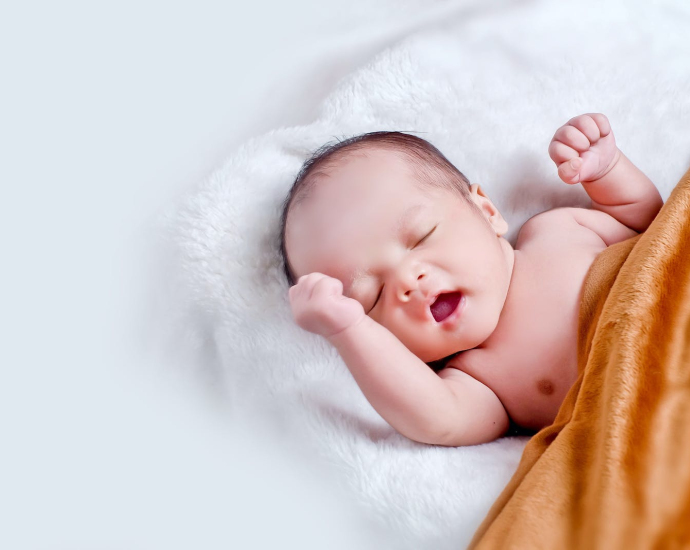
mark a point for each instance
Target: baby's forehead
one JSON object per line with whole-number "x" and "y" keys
{"x": 372, "y": 156}
{"x": 371, "y": 175}
{"x": 373, "y": 166}
{"x": 340, "y": 215}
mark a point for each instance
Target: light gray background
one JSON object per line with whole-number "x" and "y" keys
{"x": 109, "y": 110}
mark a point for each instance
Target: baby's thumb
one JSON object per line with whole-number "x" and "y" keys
{"x": 569, "y": 171}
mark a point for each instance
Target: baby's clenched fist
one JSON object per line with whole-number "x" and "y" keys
{"x": 584, "y": 149}
{"x": 318, "y": 305}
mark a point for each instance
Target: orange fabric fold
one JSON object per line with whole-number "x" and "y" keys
{"x": 613, "y": 470}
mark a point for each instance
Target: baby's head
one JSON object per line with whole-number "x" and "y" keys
{"x": 408, "y": 236}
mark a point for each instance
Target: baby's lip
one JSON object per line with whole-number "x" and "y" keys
{"x": 444, "y": 304}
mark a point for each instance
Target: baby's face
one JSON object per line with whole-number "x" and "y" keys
{"x": 398, "y": 246}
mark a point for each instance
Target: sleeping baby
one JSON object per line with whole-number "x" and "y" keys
{"x": 399, "y": 262}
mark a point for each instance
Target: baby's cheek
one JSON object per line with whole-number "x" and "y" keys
{"x": 377, "y": 315}
{"x": 397, "y": 329}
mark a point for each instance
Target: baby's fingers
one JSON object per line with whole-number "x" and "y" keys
{"x": 589, "y": 126}
{"x": 602, "y": 122}
{"x": 560, "y": 152}
{"x": 569, "y": 171}
{"x": 325, "y": 287}
{"x": 572, "y": 137}
{"x": 304, "y": 287}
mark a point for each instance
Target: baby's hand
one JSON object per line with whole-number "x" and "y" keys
{"x": 584, "y": 149}
{"x": 319, "y": 306}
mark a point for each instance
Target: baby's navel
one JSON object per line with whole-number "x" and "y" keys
{"x": 545, "y": 386}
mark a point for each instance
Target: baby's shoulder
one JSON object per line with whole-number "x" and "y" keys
{"x": 558, "y": 226}
{"x": 562, "y": 229}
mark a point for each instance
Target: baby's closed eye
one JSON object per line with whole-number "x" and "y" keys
{"x": 425, "y": 237}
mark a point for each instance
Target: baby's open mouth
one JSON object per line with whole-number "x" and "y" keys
{"x": 445, "y": 304}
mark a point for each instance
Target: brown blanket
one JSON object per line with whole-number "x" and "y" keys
{"x": 613, "y": 471}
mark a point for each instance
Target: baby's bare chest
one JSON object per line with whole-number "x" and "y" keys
{"x": 530, "y": 361}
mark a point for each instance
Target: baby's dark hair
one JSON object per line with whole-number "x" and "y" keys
{"x": 430, "y": 165}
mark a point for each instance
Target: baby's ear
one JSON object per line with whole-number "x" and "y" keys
{"x": 489, "y": 210}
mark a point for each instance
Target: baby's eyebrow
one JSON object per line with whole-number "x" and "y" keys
{"x": 406, "y": 218}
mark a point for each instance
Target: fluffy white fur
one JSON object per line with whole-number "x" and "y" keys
{"x": 488, "y": 86}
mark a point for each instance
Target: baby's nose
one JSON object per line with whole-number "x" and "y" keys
{"x": 409, "y": 284}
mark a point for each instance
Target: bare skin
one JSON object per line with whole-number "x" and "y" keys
{"x": 370, "y": 284}
{"x": 530, "y": 365}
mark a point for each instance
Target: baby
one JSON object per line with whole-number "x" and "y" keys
{"x": 399, "y": 262}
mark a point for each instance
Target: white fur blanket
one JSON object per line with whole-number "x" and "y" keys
{"x": 488, "y": 84}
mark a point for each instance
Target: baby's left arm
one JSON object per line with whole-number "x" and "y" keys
{"x": 585, "y": 151}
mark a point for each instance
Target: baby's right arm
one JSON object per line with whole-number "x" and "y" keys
{"x": 449, "y": 408}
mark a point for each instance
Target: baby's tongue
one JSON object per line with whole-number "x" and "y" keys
{"x": 444, "y": 305}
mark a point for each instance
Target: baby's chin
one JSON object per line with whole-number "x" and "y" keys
{"x": 436, "y": 357}
{"x": 439, "y": 352}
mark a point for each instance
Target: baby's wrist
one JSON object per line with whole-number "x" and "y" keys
{"x": 348, "y": 334}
